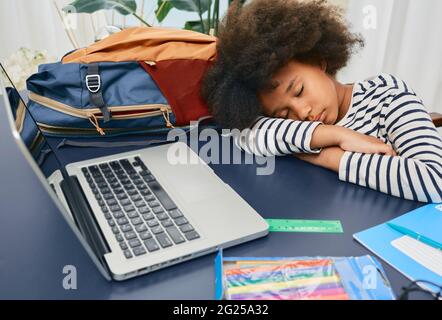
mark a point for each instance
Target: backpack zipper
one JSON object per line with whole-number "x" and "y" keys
{"x": 93, "y": 114}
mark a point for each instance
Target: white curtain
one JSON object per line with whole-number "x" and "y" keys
{"x": 406, "y": 41}
{"x": 37, "y": 25}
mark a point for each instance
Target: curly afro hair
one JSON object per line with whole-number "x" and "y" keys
{"x": 257, "y": 39}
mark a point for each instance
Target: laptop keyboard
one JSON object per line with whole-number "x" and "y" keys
{"x": 140, "y": 213}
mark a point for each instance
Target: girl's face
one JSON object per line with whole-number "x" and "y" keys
{"x": 302, "y": 92}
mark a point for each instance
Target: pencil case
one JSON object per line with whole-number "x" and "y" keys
{"x": 300, "y": 278}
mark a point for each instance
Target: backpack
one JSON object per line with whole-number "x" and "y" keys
{"x": 139, "y": 80}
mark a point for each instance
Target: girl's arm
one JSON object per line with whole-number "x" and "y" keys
{"x": 271, "y": 136}
{"x": 415, "y": 174}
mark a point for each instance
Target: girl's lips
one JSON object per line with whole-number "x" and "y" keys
{"x": 320, "y": 117}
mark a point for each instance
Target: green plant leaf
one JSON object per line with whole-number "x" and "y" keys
{"x": 163, "y": 9}
{"x": 196, "y": 25}
{"x": 190, "y": 5}
{"x": 124, "y": 7}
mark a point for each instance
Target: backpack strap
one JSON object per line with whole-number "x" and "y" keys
{"x": 93, "y": 85}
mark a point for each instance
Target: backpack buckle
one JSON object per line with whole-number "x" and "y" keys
{"x": 93, "y": 83}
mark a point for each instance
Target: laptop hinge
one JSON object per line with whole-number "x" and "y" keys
{"x": 84, "y": 217}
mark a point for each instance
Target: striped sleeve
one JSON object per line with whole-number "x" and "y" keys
{"x": 275, "y": 137}
{"x": 416, "y": 173}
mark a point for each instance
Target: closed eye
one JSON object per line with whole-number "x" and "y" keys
{"x": 300, "y": 91}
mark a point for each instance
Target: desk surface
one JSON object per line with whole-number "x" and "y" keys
{"x": 36, "y": 243}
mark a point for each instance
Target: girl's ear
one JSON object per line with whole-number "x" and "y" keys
{"x": 323, "y": 65}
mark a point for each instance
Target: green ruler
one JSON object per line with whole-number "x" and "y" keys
{"x": 285, "y": 225}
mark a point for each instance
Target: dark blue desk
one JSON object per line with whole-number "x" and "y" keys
{"x": 36, "y": 243}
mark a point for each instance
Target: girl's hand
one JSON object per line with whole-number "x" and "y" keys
{"x": 354, "y": 141}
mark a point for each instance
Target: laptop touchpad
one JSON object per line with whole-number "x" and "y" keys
{"x": 193, "y": 183}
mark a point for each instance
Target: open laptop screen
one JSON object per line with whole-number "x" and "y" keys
{"x": 30, "y": 133}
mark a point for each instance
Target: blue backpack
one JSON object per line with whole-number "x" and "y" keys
{"x": 140, "y": 80}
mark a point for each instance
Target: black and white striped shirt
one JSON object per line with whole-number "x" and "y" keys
{"x": 383, "y": 107}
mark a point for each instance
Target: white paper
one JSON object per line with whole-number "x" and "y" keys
{"x": 426, "y": 255}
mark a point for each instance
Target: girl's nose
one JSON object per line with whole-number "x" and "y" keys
{"x": 303, "y": 112}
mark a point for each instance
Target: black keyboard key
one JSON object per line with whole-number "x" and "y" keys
{"x": 152, "y": 223}
{"x": 134, "y": 176}
{"x": 105, "y": 190}
{"x": 133, "y": 214}
{"x": 134, "y": 243}
{"x": 142, "y": 187}
{"x": 128, "y": 208}
{"x": 118, "y": 214}
{"x": 151, "y": 245}
{"x": 141, "y": 228}
{"x": 121, "y": 196}
{"x": 166, "y": 223}
{"x": 107, "y": 215}
{"x": 99, "y": 180}
{"x": 119, "y": 237}
{"x": 157, "y": 210}
{"x": 101, "y": 202}
{"x": 148, "y": 216}
{"x": 149, "y": 197}
{"x": 104, "y": 209}
{"x": 111, "y": 222}
{"x": 145, "y": 192}
{"x": 115, "y": 208}
{"x": 186, "y": 227}
{"x": 175, "y": 235}
{"x": 145, "y": 235}
{"x": 153, "y": 204}
{"x": 122, "y": 221}
{"x": 136, "y": 221}
{"x": 136, "y": 197}
{"x": 126, "y": 228}
{"x": 127, "y": 165}
{"x": 132, "y": 192}
{"x": 162, "y": 196}
{"x": 140, "y": 204}
{"x": 138, "y": 251}
{"x": 149, "y": 178}
{"x": 176, "y": 213}
{"x": 111, "y": 202}
{"x": 115, "y": 230}
{"x": 164, "y": 240}
{"x": 108, "y": 196}
{"x": 118, "y": 191}
{"x": 144, "y": 173}
{"x": 123, "y": 245}
{"x": 114, "y": 165}
{"x": 102, "y": 186}
{"x": 144, "y": 210}
{"x": 192, "y": 235}
{"x": 162, "y": 216}
{"x": 130, "y": 235}
{"x": 127, "y": 254}
{"x": 84, "y": 169}
{"x": 125, "y": 202}
{"x": 157, "y": 230}
{"x": 180, "y": 221}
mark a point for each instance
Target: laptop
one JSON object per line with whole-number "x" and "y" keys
{"x": 135, "y": 212}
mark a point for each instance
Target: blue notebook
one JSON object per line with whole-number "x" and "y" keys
{"x": 386, "y": 241}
